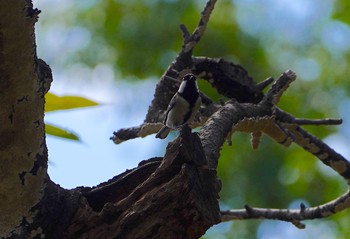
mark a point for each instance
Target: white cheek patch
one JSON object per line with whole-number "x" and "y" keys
{"x": 182, "y": 87}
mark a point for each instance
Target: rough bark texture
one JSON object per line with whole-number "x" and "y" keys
{"x": 30, "y": 204}
{"x": 177, "y": 200}
{"x": 23, "y": 152}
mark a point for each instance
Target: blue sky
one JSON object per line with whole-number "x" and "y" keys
{"x": 125, "y": 104}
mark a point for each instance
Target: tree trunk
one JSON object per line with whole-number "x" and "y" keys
{"x": 174, "y": 197}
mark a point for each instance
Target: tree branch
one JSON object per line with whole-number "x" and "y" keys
{"x": 249, "y": 110}
{"x": 190, "y": 41}
{"x": 321, "y": 150}
{"x": 318, "y": 121}
{"x": 169, "y": 83}
{"x": 174, "y": 197}
{"x": 230, "y": 80}
{"x": 248, "y": 117}
{"x": 243, "y": 117}
{"x": 281, "y": 85}
{"x": 290, "y": 215}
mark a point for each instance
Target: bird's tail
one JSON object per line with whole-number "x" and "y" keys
{"x": 163, "y": 132}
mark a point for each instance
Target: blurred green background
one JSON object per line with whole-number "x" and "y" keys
{"x": 136, "y": 40}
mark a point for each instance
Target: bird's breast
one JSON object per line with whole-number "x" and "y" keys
{"x": 178, "y": 113}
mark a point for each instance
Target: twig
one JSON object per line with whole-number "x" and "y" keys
{"x": 318, "y": 121}
{"x": 185, "y": 33}
{"x": 190, "y": 41}
{"x": 289, "y": 215}
{"x": 321, "y": 150}
{"x": 125, "y": 134}
{"x": 281, "y": 85}
{"x": 284, "y": 117}
{"x": 262, "y": 85}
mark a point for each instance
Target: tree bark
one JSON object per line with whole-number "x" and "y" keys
{"x": 176, "y": 200}
{"x": 174, "y": 197}
{"x": 22, "y": 140}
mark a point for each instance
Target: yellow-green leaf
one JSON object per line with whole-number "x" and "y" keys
{"x": 54, "y": 102}
{"x": 59, "y": 132}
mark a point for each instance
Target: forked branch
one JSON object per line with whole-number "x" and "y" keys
{"x": 263, "y": 118}
{"x": 248, "y": 110}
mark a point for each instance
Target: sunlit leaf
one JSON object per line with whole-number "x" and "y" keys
{"x": 54, "y": 102}
{"x": 59, "y": 132}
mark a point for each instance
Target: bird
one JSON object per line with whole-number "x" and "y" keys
{"x": 182, "y": 107}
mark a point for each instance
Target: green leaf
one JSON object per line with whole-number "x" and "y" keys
{"x": 54, "y": 102}
{"x": 59, "y": 132}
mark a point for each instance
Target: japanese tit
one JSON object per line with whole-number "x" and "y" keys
{"x": 182, "y": 107}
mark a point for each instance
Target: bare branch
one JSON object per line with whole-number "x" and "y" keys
{"x": 125, "y": 134}
{"x": 146, "y": 128}
{"x": 262, "y": 85}
{"x": 190, "y": 41}
{"x": 218, "y": 126}
{"x": 318, "y": 121}
{"x": 321, "y": 150}
{"x": 249, "y": 111}
{"x": 289, "y": 215}
{"x": 230, "y": 80}
{"x": 284, "y": 117}
{"x": 185, "y": 33}
{"x": 169, "y": 84}
{"x": 280, "y": 86}
{"x": 142, "y": 130}
{"x": 264, "y": 119}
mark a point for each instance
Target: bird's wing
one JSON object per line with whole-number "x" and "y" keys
{"x": 170, "y": 106}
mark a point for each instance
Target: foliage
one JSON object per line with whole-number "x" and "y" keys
{"x": 141, "y": 38}
{"x": 55, "y": 103}
{"x": 59, "y": 132}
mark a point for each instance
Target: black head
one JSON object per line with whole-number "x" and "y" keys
{"x": 188, "y": 81}
{"x": 189, "y": 88}
{"x": 189, "y": 77}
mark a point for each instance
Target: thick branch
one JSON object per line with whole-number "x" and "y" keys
{"x": 173, "y": 198}
{"x": 230, "y": 80}
{"x": 216, "y": 129}
{"x": 233, "y": 115}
